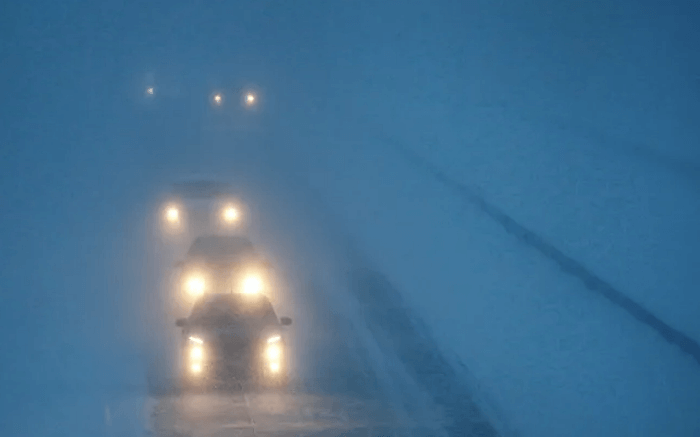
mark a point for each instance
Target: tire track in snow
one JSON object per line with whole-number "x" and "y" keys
{"x": 567, "y": 264}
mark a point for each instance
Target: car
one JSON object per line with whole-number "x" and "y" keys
{"x": 234, "y": 340}
{"x": 202, "y": 205}
{"x": 222, "y": 264}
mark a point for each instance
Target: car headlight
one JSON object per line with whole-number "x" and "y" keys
{"x": 217, "y": 99}
{"x": 196, "y": 353}
{"x": 274, "y": 352}
{"x": 172, "y": 215}
{"x": 195, "y": 285}
{"x": 230, "y": 214}
{"x": 252, "y": 284}
{"x": 274, "y": 339}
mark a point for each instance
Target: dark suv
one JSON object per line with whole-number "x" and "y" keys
{"x": 234, "y": 339}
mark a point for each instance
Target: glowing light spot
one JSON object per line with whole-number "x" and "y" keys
{"x": 252, "y": 285}
{"x": 196, "y": 353}
{"x": 273, "y": 352}
{"x": 172, "y": 214}
{"x": 195, "y": 286}
{"x": 230, "y": 214}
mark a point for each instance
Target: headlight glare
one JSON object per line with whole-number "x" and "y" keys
{"x": 230, "y": 214}
{"x": 196, "y": 353}
{"x": 172, "y": 214}
{"x": 252, "y": 284}
{"x": 274, "y": 352}
{"x": 195, "y": 285}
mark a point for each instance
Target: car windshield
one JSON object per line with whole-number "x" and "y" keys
{"x": 234, "y": 308}
{"x": 220, "y": 249}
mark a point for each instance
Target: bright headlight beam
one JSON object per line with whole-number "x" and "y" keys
{"x": 252, "y": 285}
{"x": 273, "y": 352}
{"x": 275, "y": 367}
{"x": 196, "y": 340}
{"x": 196, "y": 353}
{"x": 172, "y": 214}
{"x": 195, "y": 285}
{"x": 274, "y": 339}
{"x": 196, "y": 368}
{"x": 230, "y": 214}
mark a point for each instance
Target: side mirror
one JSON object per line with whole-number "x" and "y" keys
{"x": 285, "y": 321}
{"x": 181, "y": 323}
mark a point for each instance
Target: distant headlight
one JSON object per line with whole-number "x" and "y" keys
{"x": 195, "y": 285}
{"x": 197, "y": 340}
{"x": 230, "y": 214}
{"x": 274, "y": 339}
{"x": 275, "y": 367}
{"x": 252, "y": 284}
{"x": 196, "y": 368}
{"x": 217, "y": 99}
{"x": 172, "y": 214}
{"x": 250, "y": 99}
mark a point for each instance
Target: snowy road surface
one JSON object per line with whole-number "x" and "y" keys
{"x": 368, "y": 374}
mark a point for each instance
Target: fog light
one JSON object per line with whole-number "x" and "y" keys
{"x": 273, "y": 352}
{"x": 196, "y": 353}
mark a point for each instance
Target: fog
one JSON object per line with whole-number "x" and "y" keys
{"x": 522, "y": 178}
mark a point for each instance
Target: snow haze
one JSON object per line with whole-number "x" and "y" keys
{"x": 524, "y": 177}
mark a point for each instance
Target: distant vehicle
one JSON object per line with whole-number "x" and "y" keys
{"x": 232, "y": 340}
{"x": 222, "y": 264}
{"x": 202, "y": 206}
